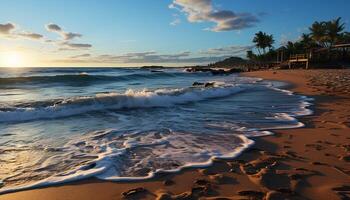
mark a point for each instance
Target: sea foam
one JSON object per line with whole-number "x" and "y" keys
{"x": 130, "y": 99}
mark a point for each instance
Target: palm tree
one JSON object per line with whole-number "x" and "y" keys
{"x": 290, "y": 48}
{"x": 334, "y": 30}
{"x": 259, "y": 41}
{"x": 345, "y": 37}
{"x": 306, "y": 41}
{"x": 250, "y": 55}
{"x": 269, "y": 41}
{"x": 263, "y": 41}
{"x": 319, "y": 33}
{"x": 327, "y": 33}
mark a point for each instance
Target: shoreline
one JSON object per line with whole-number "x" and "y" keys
{"x": 248, "y": 143}
{"x": 296, "y": 173}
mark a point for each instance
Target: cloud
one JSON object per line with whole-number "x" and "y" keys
{"x": 176, "y": 19}
{"x": 53, "y": 27}
{"x": 65, "y": 35}
{"x": 67, "y": 49}
{"x": 81, "y": 56}
{"x": 70, "y": 36}
{"x": 6, "y": 28}
{"x": 33, "y": 36}
{"x": 76, "y": 45}
{"x": 185, "y": 57}
{"x": 203, "y": 11}
{"x": 66, "y": 45}
{"x": 175, "y": 22}
{"x": 228, "y": 51}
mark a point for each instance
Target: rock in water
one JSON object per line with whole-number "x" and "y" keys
{"x": 197, "y": 84}
{"x": 209, "y": 84}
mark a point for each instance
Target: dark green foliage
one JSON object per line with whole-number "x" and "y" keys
{"x": 263, "y": 41}
{"x": 324, "y": 34}
{"x": 327, "y": 33}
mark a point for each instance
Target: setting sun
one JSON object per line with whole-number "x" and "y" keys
{"x": 11, "y": 59}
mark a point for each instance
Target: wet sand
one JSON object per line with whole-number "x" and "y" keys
{"x": 312, "y": 162}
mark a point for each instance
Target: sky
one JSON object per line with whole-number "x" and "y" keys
{"x": 68, "y": 33}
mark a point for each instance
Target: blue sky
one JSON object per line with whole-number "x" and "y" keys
{"x": 143, "y": 29}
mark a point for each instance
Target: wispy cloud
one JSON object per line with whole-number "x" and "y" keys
{"x": 85, "y": 55}
{"x": 233, "y": 50}
{"x": 10, "y": 31}
{"x": 65, "y": 35}
{"x": 176, "y": 20}
{"x": 202, "y": 11}
{"x": 70, "y": 36}
{"x": 66, "y": 45}
{"x": 33, "y": 36}
{"x": 77, "y": 45}
{"x": 201, "y": 57}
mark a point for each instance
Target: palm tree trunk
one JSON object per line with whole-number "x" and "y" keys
{"x": 259, "y": 51}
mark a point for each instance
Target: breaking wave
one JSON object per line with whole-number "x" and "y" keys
{"x": 129, "y": 99}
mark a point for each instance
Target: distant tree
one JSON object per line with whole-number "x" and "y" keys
{"x": 306, "y": 42}
{"x": 250, "y": 55}
{"x": 322, "y": 34}
{"x": 290, "y": 47}
{"x": 334, "y": 30}
{"x": 269, "y": 41}
{"x": 263, "y": 41}
{"x": 319, "y": 33}
{"x": 259, "y": 41}
{"x": 327, "y": 33}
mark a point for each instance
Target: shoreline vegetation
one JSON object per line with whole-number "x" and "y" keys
{"x": 325, "y": 45}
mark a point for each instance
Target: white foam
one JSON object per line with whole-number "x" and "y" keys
{"x": 303, "y": 103}
{"x": 104, "y": 168}
{"x": 246, "y": 143}
{"x": 129, "y": 99}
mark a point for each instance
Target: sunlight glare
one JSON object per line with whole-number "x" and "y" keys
{"x": 11, "y": 59}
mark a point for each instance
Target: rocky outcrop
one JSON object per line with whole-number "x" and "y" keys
{"x": 207, "y": 84}
{"x": 152, "y": 67}
{"x": 214, "y": 71}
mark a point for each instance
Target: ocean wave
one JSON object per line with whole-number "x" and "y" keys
{"x": 80, "y": 78}
{"x": 118, "y": 155}
{"x": 122, "y": 157}
{"x": 122, "y": 153}
{"x": 130, "y": 99}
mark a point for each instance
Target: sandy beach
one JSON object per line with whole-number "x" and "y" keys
{"x": 312, "y": 162}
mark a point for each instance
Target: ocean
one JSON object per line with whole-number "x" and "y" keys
{"x": 64, "y": 124}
